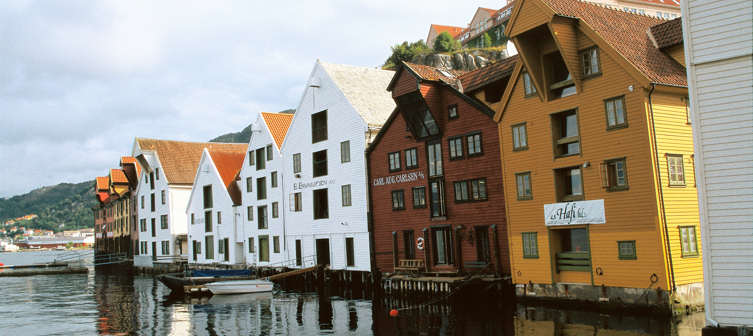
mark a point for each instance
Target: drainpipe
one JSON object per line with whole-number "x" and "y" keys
{"x": 661, "y": 192}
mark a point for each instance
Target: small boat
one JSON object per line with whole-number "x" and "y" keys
{"x": 178, "y": 281}
{"x": 240, "y": 286}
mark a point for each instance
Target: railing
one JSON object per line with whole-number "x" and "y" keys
{"x": 71, "y": 256}
{"x": 307, "y": 261}
{"x": 110, "y": 258}
{"x": 573, "y": 261}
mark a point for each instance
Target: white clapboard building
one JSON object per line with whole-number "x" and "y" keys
{"x": 261, "y": 230}
{"x": 718, "y": 39}
{"x": 213, "y": 209}
{"x": 342, "y": 109}
{"x": 167, "y": 176}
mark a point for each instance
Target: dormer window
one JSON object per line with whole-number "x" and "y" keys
{"x": 589, "y": 61}
{"x": 560, "y": 81}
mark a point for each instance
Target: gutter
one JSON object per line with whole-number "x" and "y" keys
{"x": 661, "y": 192}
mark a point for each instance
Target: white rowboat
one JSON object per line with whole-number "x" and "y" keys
{"x": 240, "y": 286}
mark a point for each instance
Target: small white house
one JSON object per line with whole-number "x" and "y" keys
{"x": 262, "y": 224}
{"x": 167, "y": 176}
{"x": 718, "y": 41}
{"x": 342, "y": 109}
{"x": 212, "y": 212}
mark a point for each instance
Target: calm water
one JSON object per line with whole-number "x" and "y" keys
{"x": 113, "y": 303}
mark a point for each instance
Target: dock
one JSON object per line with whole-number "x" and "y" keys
{"x": 42, "y": 269}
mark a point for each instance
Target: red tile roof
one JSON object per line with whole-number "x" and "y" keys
{"x": 668, "y": 33}
{"x": 278, "y": 124}
{"x": 228, "y": 164}
{"x": 103, "y": 183}
{"x": 102, "y": 196}
{"x": 673, "y": 3}
{"x": 627, "y": 34}
{"x": 429, "y": 73}
{"x": 180, "y": 159}
{"x": 452, "y": 30}
{"x": 493, "y": 72}
{"x": 118, "y": 176}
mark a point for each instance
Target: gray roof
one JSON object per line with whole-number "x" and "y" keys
{"x": 366, "y": 89}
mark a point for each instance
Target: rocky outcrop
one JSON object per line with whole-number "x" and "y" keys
{"x": 463, "y": 61}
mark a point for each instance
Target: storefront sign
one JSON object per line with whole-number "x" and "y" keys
{"x": 575, "y": 213}
{"x": 313, "y": 184}
{"x": 400, "y": 178}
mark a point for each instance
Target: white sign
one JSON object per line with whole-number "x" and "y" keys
{"x": 575, "y": 213}
{"x": 314, "y": 184}
{"x": 400, "y": 178}
{"x": 420, "y": 243}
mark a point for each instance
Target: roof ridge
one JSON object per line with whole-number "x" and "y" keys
{"x": 606, "y": 6}
{"x": 184, "y": 141}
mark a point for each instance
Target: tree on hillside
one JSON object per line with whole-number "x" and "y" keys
{"x": 405, "y": 52}
{"x": 446, "y": 43}
{"x": 487, "y": 40}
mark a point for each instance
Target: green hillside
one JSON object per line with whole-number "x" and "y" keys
{"x": 64, "y": 206}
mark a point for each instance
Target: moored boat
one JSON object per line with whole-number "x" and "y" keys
{"x": 177, "y": 282}
{"x": 240, "y": 286}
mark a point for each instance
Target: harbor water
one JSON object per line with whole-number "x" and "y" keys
{"x": 115, "y": 302}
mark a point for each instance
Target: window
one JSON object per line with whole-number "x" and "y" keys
{"x": 152, "y": 203}
{"x": 193, "y": 219}
{"x": 345, "y": 151}
{"x": 154, "y": 227}
{"x": 408, "y": 244}
{"x": 676, "y": 170}
{"x": 163, "y": 222}
{"x": 565, "y": 133}
{"x": 142, "y": 201}
{"x": 209, "y": 247}
{"x": 262, "y": 217}
{"x": 320, "y": 163}
{"x": 151, "y": 180}
{"x": 483, "y": 252}
{"x": 251, "y": 158}
{"x": 260, "y": 162}
{"x": 474, "y": 144}
{"x": 156, "y": 173}
{"x": 346, "y": 200}
{"x": 436, "y": 189}
{"x": 419, "y": 197}
{"x": 528, "y": 86}
{"x": 163, "y": 197}
{"x": 264, "y": 248}
{"x": 319, "y": 126}
{"x": 394, "y": 161}
{"x": 250, "y": 213}
{"x": 530, "y": 245}
{"x": 452, "y": 111}
{"x": 589, "y": 61}
{"x": 434, "y": 151}
{"x": 411, "y": 158}
{"x": 275, "y": 210}
{"x": 297, "y": 202}
{"x": 456, "y": 148}
{"x": 461, "y": 191}
{"x": 626, "y": 250}
{"x": 207, "y": 221}
{"x": 261, "y": 188}
{"x": 422, "y": 122}
{"x": 398, "y": 200}
{"x": 296, "y": 163}
{"x": 688, "y": 241}
{"x": 442, "y": 245}
{"x": 688, "y": 115}
{"x": 523, "y": 181}
{"x": 615, "y": 109}
{"x": 251, "y": 245}
{"x": 276, "y": 244}
{"x": 221, "y": 247}
{"x": 560, "y": 81}
{"x": 321, "y": 205}
{"x": 519, "y": 137}
{"x": 270, "y": 154}
{"x": 569, "y": 184}
{"x": 219, "y": 217}
{"x": 614, "y": 175}
{"x": 350, "y": 255}
{"x": 249, "y": 184}
{"x": 471, "y": 190}
{"x": 165, "y": 247}
{"x": 273, "y": 179}
{"x": 478, "y": 189}
{"x": 207, "y": 196}
{"x": 142, "y": 225}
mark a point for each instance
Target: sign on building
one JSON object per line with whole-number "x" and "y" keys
{"x": 575, "y": 213}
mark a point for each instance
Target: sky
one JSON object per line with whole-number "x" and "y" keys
{"x": 80, "y": 79}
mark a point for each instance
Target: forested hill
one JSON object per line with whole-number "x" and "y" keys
{"x": 68, "y": 204}
{"x": 243, "y": 136}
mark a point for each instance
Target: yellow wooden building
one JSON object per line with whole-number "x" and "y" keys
{"x": 597, "y": 156}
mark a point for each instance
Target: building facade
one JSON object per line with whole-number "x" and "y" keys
{"x": 168, "y": 169}
{"x": 262, "y": 214}
{"x": 720, "y": 78}
{"x": 324, "y": 171}
{"x": 213, "y": 210}
{"x": 436, "y": 196}
{"x": 597, "y": 159}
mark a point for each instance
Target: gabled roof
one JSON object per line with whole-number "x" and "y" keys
{"x": 228, "y": 164}
{"x": 103, "y": 183}
{"x": 364, "y": 89}
{"x": 180, "y": 159}
{"x": 278, "y": 124}
{"x": 118, "y": 176}
{"x": 429, "y": 73}
{"x": 130, "y": 160}
{"x": 452, "y": 30}
{"x": 493, "y": 72}
{"x": 627, "y": 34}
{"x": 669, "y": 3}
{"x": 667, "y": 34}
{"x": 488, "y": 10}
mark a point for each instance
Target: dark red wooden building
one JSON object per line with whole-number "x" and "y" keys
{"x": 435, "y": 173}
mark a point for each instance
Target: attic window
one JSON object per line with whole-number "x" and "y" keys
{"x": 589, "y": 60}
{"x": 560, "y": 81}
{"x": 420, "y": 120}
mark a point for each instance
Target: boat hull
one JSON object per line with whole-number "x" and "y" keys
{"x": 177, "y": 282}
{"x": 240, "y": 287}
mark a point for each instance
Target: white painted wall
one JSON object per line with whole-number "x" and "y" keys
{"x": 260, "y": 138}
{"x": 343, "y": 123}
{"x": 718, "y": 39}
